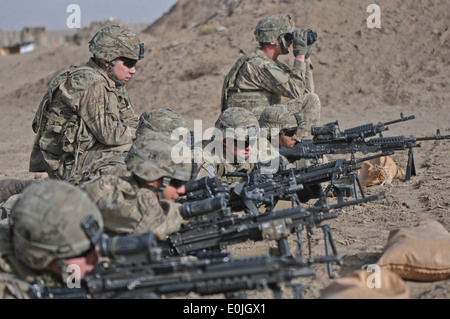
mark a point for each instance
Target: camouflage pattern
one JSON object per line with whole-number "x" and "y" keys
{"x": 214, "y": 165}
{"x": 258, "y": 81}
{"x": 111, "y": 165}
{"x": 16, "y": 279}
{"x": 10, "y": 187}
{"x": 279, "y": 116}
{"x": 166, "y": 121}
{"x": 162, "y": 120}
{"x": 114, "y": 41}
{"x": 127, "y": 208}
{"x": 237, "y": 123}
{"x": 82, "y": 117}
{"x": 154, "y": 156}
{"x": 234, "y": 123}
{"x": 7, "y": 206}
{"x": 45, "y": 223}
{"x": 271, "y": 27}
{"x": 151, "y": 124}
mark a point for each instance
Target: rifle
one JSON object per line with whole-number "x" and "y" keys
{"x": 257, "y": 189}
{"x": 139, "y": 272}
{"x": 216, "y": 234}
{"x": 206, "y": 187}
{"x": 331, "y": 132}
{"x": 311, "y": 149}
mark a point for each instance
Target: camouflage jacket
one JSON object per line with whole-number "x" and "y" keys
{"x": 256, "y": 80}
{"x": 128, "y": 208}
{"x": 211, "y": 163}
{"x": 82, "y": 117}
{"x": 16, "y": 279}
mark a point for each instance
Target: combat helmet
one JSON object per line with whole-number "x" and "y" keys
{"x": 238, "y": 123}
{"x": 162, "y": 120}
{"x": 46, "y": 223}
{"x": 279, "y": 116}
{"x": 114, "y": 41}
{"x": 271, "y": 27}
{"x": 155, "y": 156}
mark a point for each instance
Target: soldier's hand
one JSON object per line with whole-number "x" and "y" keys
{"x": 311, "y": 39}
{"x": 300, "y": 38}
{"x": 309, "y": 50}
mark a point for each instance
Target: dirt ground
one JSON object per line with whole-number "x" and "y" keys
{"x": 362, "y": 75}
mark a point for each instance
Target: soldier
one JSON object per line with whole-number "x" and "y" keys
{"x": 44, "y": 237}
{"x": 86, "y": 112}
{"x": 281, "y": 123}
{"x": 157, "y": 121}
{"x": 259, "y": 79}
{"x": 144, "y": 200}
{"x": 230, "y": 148}
{"x": 164, "y": 121}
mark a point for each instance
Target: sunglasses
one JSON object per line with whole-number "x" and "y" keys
{"x": 176, "y": 183}
{"x": 290, "y": 132}
{"x": 288, "y": 37}
{"x": 246, "y": 144}
{"x": 129, "y": 63}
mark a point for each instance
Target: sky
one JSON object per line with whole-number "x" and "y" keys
{"x": 60, "y": 15}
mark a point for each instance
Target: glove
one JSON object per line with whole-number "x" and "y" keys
{"x": 311, "y": 39}
{"x": 300, "y": 38}
{"x": 309, "y": 49}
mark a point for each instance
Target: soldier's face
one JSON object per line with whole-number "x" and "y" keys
{"x": 288, "y": 138}
{"x": 173, "y": 191}
{"x": 86, "y": 263}
{"x": 123, "y": 72}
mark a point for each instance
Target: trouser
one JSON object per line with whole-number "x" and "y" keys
{"x": 308, "y": 107}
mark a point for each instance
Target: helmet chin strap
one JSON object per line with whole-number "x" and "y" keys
{"x": 61, "y": 264}
{"x": 160, "y": 190}
{"x": 284, "y": 48}
{"x": 110, "y": 70}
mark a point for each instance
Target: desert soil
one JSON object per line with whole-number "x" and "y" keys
{"x": 362, "y": 75}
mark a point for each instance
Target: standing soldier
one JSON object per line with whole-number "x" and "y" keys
{"x": 258, "y": 79}
{"x": 86, "y": 113}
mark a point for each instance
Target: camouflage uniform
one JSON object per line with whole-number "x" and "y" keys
{"x": 128, "y": 206}
{"x": 86, "y": 113}
{"x": 258, "y": 81}
{"x": 282, "y": 117}
{"x": 151, "y": 123}
{"x": 235, "y": 123}
{"x": 44, "y": 227}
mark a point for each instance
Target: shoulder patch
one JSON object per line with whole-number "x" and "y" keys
{"x": 273, "y": 66}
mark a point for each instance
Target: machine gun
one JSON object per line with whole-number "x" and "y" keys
{"x": 137, "y": 271}
{"x": 257, "y": 189}
{"x": 206, "y": 187}
{"x": 331, "y": 132}
{"x": 216, "y": 234}
{"x": 311, "y": 149}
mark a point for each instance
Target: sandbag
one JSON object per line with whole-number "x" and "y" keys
{"x": 362, "y": 284}
{"x": 419, "y": 253}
